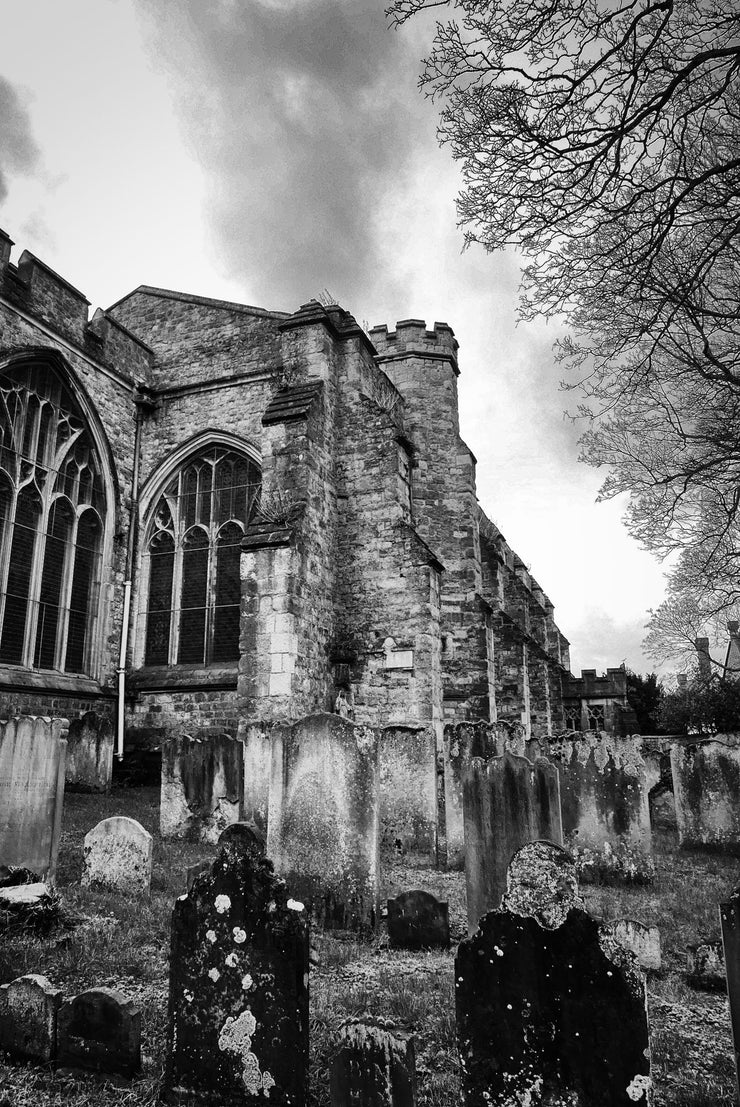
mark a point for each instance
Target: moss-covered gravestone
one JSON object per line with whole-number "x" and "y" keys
{"x": 238, "y": 1012}
{"x": 28, "y": 1018}
{"x": 550, "y": 1010}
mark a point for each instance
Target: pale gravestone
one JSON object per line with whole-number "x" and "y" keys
{"x": 32, "y": 764}
{"x": 706, "y": 783}
{"x": 549, "y": 1009}
{"x": 642, "y": 940}
{"x": 101, "y": 1030}
{"x": 238, "y": 1009}
{"x": 202, "y": 786}
{"x": 408, "y": 793}
{"x": 374, "y": 1066}
{"x": 28, "y": 1018}
{"x": 90, "y": 754}
{"x": 507, "y": 801}
{"x": 323, "y": 829}
{"x": 417, "y": 920}
{"x": 462, "y": 742}
{"x": 118, "y": 856}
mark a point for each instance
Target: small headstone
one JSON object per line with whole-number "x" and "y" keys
{"x": 706, "y": 967}
{"x": 417, "y": 920}
{"x": 549, "y": 1010}
{"x": 99, "y": 1029}
{"x": 706, "y": 781}
{"x": 374, "y": 1066}
{"x": 238, "y": 1010}
{"x": 28, "y": 1018}
{"x": 118, "y": 856}
{"x": 202, "y": 788}
{"x": 194, "y": 871}
{"x": 90, "y": 754}
{"x": 729, "y": 914}
{"x": 32, "y": 760}
{"x": 644, "y": 941}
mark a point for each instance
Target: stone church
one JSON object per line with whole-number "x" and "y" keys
{"x": 212, "y": 514}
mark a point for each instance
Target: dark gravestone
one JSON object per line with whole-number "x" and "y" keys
{"x": 549, "y": 1009}
{"x": 706, "y": 967}
{"x": 202, "y": 786}
{"x": 706, "y": 780}
{"x": 28, "y": 1018}
{"x": 89, "y": 766}
{"x": 374, "y": 1066}
{"x": 194, "y": 871}
{"x": 508, "y": 801}
{"x": 100, "y": 1029}
{"x": 251, "y": 835}
{"x": 417, "y": 920}
{"x": 238, "y": 1009}
{"x": 729, "y": 914}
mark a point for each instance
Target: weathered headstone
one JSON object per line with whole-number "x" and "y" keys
{"x": 28, "y": 1018}
{"x": 705, "y": 967}
{"x": 323, "y": 829}
{"x": 374, "y": 1066}
{"x": 238, "y": 1010}
{"x": 90, "y": 754}
{"x": 417, "y": 920}
{"x": 462, "y": 742}
{"x": 549, "y": 1009}
{"x": 644, "y": 941}
{"x": 706, "y": 783}
{"x": 508, "y": 801}
{"x": 408, "y": 793}
{"x": 604, "y": 801}
{"x": 32, "y": 761}
{"x": 202, "y": 786}
{"x": 118, "y": 856}
{"x": 729, "y": 914}
{"x": 101, "y": 1030}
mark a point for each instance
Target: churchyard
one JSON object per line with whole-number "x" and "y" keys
{"x": 413, "y": 992}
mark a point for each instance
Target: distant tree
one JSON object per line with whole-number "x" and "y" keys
{"x": 645, "y": 695}
{"x": 702, "y": 709}
{"x": 602, "y": 140}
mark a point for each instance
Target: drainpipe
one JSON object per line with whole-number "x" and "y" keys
{"x": 143, "y": 405}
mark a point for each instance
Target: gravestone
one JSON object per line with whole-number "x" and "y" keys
{"x": 417, "y": 920}
{"x": 462, "y": 742}
{"x": 605, "y": 807}
{"x": 323, "y": 829}
{"x": 256, "y": 739}
{"x": 508, "y": 801}
{"x": 729, "y": 914}
{"x": 28, "y": 1018}
{"x": 549, "y": 1009}
{"x": 89, "y": 754}
{"x": 408, "y": 793}
{"x": 705, "y": 967}
{"x": 644, "y": 941}
{"x": 706, "y": 785}
{"x": 32, "y": 760}
{"x": 194, "y": 871}
{"x": 118, "y": 856}
{"x": 101, "y": 1030}
{"x": 374, "y": 1066}
{"x": 238, "y": 1008}
{"x": 202, "y": 786}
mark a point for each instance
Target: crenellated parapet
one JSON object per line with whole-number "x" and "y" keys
{"x": 411, "y": 338}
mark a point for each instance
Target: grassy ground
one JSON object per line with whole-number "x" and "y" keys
{"x": 124, "y": 943}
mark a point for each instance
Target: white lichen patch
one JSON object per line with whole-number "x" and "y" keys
{"x": 638, "y": 1087}
{"x": 223, "y": 903}
{"x": 240, "y": 935}
{"x": 236, "y": 1037}
{"x": 188, "y": 995}
{"x": 231, "y": 960}
{"x": 247, "y": 982}
{"x": 211, "y": 935}
{"x": 214, "y": 974}
{"x": 294, "y": 905}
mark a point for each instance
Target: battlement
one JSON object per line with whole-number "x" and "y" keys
{"x": 37, "y": 290}
{"x": 411, "y": 338}
{"x": 611, "y": 684}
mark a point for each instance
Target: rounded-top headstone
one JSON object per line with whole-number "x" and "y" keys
{"x": 244, "y": 837}
{"x": 118, "y": 856}
{"x": 541, "y": 883}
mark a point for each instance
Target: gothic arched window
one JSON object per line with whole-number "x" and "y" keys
{"x": 52, "y": 512}
{"x": 193, "y": 547}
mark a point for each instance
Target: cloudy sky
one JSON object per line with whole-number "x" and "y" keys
{"x": 264, "y": 151}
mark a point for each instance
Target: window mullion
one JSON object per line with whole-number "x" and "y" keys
{"x": 34, "y": 584}
{"x": 211, "y": 591}
{"x": 5, "y": 547}
{"x": 65, "y": 593}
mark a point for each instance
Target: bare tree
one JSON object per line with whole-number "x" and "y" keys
{"x": 602, "y": 139}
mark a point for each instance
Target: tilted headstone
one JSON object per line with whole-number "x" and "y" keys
{"x": 90, "y": 754}
{"x": 118, "y": 856}
{"x": 417, "y": 920}
{"x": 323, "y": 829}
{"x": 729, "y": 914}
{"x": 508, "y": 801}
{"x": 549, "y": 1009}
{"x": 32, "y": 761}
{"x": 706, "y": 786}
{"x": 238, "y": 1009}
{"x": 644, "y": 941}
{"x": 705, "y": 967}
{"x": 202, "y": 786}
{"x": 28, "y": 1018}
{"x": 101, "y": 1030}
{"x": 462, "y": 742}
{"x": 408, "y": 793}
{"x": 604, "y": 801}
{"x": 374, "y": 1066}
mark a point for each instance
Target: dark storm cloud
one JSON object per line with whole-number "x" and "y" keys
{"x": 303, "y": 115}
{"x": 18, "y": 151}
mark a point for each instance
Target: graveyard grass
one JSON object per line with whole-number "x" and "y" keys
{"x": 123, "y": 942}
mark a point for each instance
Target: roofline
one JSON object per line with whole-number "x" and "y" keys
{"x": 207, "y": 301}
